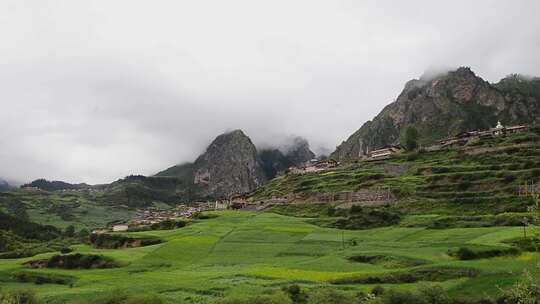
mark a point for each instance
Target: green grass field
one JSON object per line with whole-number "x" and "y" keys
{"x": 249, "y": 253}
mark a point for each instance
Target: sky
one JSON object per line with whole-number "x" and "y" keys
{"x": 91, "y": 91}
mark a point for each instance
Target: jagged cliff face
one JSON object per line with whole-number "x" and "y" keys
{"x": 444, "y": 106}
{"x": 299, "y": 152}
{"x": 232, "y": 165}
{"x": 4, "y": 186}
{"x": 229, "y": 166}
{"x": 274, "y": 161}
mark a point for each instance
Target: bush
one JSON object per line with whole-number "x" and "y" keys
{"x": 464, "y": 253}
{"x": 366, "y": 218}
{"x": 432, "y": 274}
{"x": 526, "y": 291}
{"x": 18, "y": 297}
{"x": 530, "y": 244}
{"x": 168, "y": 225}
{"x": 276, "y": 298}
{"x": 121, "y": 297}
{"x": 65, "y": 250}
{"x": 296, "y": 294}
{"x": 70, "y": 231}
{"x": 115, "y": 241}
{"x": 434, "y": 294}
{"x": 37, "y": 278}
{"x": 410, "y": 138}
{"x": 75, "y": 261}
{"x": 402, "y": 297}
{"x": 378, "y": 290}
{"x": 331, "y": 296}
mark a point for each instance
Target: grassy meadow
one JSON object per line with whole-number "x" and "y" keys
{"x": 251, "y": 253}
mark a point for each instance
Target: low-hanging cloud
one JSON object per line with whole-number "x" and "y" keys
{"x": 95, "y": 91}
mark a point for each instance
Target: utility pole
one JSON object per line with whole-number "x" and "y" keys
{"x": 525, "y": 224}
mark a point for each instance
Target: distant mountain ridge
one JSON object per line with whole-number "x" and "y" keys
{"x": 231, "y": 165}
{"x": 46, "y": 185}
{"x": 4, "y": 185}
{"x": 444, "y": 106}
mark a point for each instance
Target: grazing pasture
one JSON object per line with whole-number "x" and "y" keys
{"x": 238, "y": 253}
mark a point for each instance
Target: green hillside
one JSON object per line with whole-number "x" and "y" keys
{"x": 61, "y": 209}
{"x": 482, "y": 177}
{"x": 449, "y": 221}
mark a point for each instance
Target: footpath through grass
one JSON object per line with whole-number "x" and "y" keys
{"x": 248, "y": 253}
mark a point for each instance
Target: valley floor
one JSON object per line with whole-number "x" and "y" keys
{"x": 246, "y": 253}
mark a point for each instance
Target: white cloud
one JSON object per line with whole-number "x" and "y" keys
{"x": 92, "y": 91}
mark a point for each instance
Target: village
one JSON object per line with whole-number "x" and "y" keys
{"x": 154, "y": 215}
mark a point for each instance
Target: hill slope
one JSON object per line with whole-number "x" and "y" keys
{"x": 482, "y": 177}
{"x": 446, "y": 105}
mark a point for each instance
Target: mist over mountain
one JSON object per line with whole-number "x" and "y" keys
{"x": 4, "y": 185}
{"x": 294, "y": 153}
{"x": 445, "y": 104}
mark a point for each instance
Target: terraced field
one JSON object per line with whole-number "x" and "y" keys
{"x": 479, "y": 178}
{"x": 252, "y": 253}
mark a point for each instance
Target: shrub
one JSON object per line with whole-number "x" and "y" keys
{"x": 276, "y": 298}
{"x": 434, "y": 294}
{"x": 378, "y": 290}
{"x": 65, "y": 250}
{"x": 366, "y": 218}
{"x": 331, "y": 296}
{"x": 37, "y": 278}
{"x": 432, "y": 274}
{"x": 121, "y": 297}
{"x": 18, "y": 297}
{"x": 168, "y": 225}
{"x": 464, "y": 253}
{"x": 204, "y": 215}
{"x": 526, "y": 291}
{"x": 296, "y": 294}
{"x": 530, "y": 244}
{"x": 410, "y": 138}
{"x": 70, "y": 231}
{"x": 402, "y": 297}
{"x": 115, "y": 241}
{"x": 74, "y": 261}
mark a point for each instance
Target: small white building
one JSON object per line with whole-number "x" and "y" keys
{"x": 119, "y": 228}
{"x": 222, "y": 204}
{"x": 384, "y": 152}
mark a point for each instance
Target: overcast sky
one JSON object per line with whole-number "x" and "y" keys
{"x": 91, "y": 91}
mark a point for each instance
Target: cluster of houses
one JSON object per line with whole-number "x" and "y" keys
{"x": 314, "y": 165}
{"x": 386, "y": 151}
{"x": 465, "y": 137}
{"x": 152, "y": 215}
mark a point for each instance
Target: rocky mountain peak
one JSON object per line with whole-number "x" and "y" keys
{"x": 229, "y": 166}
{"x": 444, "y": 105}
{"x": 299, "y": 151}
{"x": 276, "y": 160}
